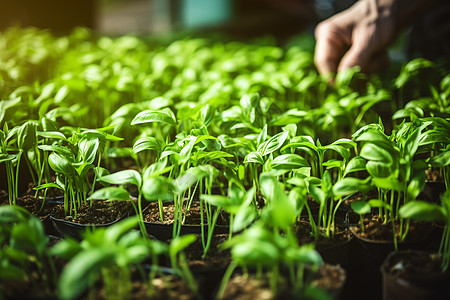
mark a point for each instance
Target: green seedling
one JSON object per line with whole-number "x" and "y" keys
{"x": 24, "y": 255}
{"x": 429, "y": 212}
{"x": 106, "y": 253}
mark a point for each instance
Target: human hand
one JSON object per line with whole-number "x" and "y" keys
{"x": 357, "y": 36}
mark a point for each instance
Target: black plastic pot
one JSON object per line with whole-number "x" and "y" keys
{"x": 75, "y": 230}
{"x": 404, "y": 277}
{"x": 337, "y": 253}
{"x": 364, "y": 279}
{"x": 164, "y": 232}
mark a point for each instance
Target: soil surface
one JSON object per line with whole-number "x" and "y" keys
{"x": 305, "y": 236}
{"x": 216, "y": 258}
{"x": 414, "y": 264}
{"x": 167, "y": 287}
{"x": 100, "y": 212}
{"x": 34, "y": 205}
{"x": 192, "y": 216}
{"x": 420, "y": 269}
{"x": 329, "y": 278}
{"x": 376, "y": 230}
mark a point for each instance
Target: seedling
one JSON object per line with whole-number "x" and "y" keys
{"x": 429, "y": 212}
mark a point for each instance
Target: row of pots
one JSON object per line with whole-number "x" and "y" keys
{"x": 368, "y": 264}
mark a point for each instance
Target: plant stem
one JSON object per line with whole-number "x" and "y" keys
{"x": 226, "y": 277}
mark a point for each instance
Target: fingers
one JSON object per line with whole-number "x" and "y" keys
{"x": 368, "y": 50}
{"x": 329, "y": 49}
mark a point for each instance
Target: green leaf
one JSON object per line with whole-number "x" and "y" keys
{"x": 218, "y": 200}
{"x": 416, "y": 185}
{"x": 147, "y": 143}
{"x": 82, "y": 271}
{"x": 154, "y": 188}
{"x": 317, "y": 193}
{"x": 379, "y": 203}
{"x": 423, "y": 211}
{"x": 11, "y": 272}
{"x": 360, "y": 207}
{"x": 29, "y": 236}
{"x": 388, "y": 183}
{"x": 52, "y": 135}
{"x": 379, "y": 169}
{"x": 191, "y": 176}
{"x": 5, "y": 104}
{"x": 61, "y": 164}
{"x": 355, "y": 164}
{"x": 333, "y": 163}
{"x": 289, "y": 161}
{"x": 412, "y": 143}
{"x": 87, "y": 149}
{"x": 351, "y": 185}
{"x": 119, "y": 229}
{"x": 61, "y": 150}
{"x": 273, "y": 144}
{"x": 304, "y": 255}
{"x": 13, "y": 214}
{"x": 110, "y": 193}
{"x": 66, "y": 248}
{"x": 371, "y": 151}
{"x": 244, "y": 217}
{"x": 440, "y": 160}
{"x": 47, "y": 185}
{"x": 262, "y": 136}
{"x": 26, "y": 137}
{"x": 374, "y": 136}
{"x": 254, "y": 157}
{"x": 123, "y": 177}
{"x": 180, "y": 243}
{"x": 62, "y": 93}
{"x": 207, "y": 114}
{"x": 148, "y": 116}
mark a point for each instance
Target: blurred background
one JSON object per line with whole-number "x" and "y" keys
{"x": 240, "y": 18}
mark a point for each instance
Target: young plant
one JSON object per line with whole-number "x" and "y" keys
{"x": 429, "y": 212}
{"x": 398, "y": 176}
{"x": 107, "y": 254}
{"x": 269, "y": 253}
{"x": 131, "y": 177}
{"x": 178, "y": 260}
{"x": 238, "y": 203}
{"x": 24, "y": 255}
{"x": 72, "y": 167}
{"x": 10, "y": 161}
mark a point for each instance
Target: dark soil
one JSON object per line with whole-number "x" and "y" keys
{"x": 376, "y": 230}
{"x": 33, "y": 205}
{"x": 242, "y": 287}
{"x": 415, "y": 265}
{"x": 418, "y": 269}
{"x": 329, "y": 278}
{"x": 151, "y": 214}
{"x": 216, "y": 258}
{"x": 100, "y": 212}
{"x": 305, "y": 236}
{"x": 166, "y": 287}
